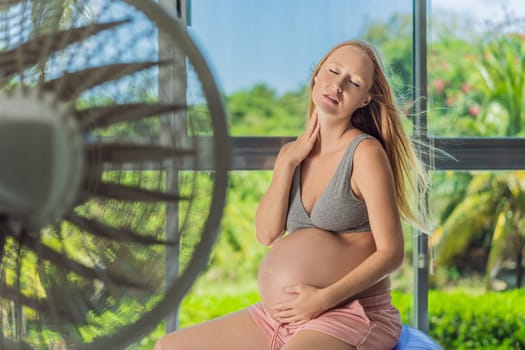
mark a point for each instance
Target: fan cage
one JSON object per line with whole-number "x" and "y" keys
{"x": 98, "y": 277}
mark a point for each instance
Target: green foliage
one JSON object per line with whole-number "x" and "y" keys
{"x": 488, "y": 321}
{"x": 201, "y": 307}
{"x": 502, "y": 73}
{"x": 488, "y": 218}
{"x": 448, "y": 193}
{"x": 476, "y": 80}
{"x": 260, "y": 111}
{"x": 455, "y": 104}
{"x": 393, "y": 39}
{"x": 476, "y": 86}
{"x": 237, "y": 253}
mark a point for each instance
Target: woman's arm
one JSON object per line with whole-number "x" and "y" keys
{"x": 270, "y": 217}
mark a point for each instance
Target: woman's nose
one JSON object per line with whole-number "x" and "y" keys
{"x": 337, "y": 85}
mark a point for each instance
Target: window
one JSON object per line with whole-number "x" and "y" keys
{"x": 476, "y": 66}
{"x": 263, "y": 52}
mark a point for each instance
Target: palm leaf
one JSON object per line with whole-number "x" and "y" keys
{"x": 480, "y": 183}
{"x": 502, "y": 69}
{"x": 500, "y": 242}
{"x": 464, "y": 223}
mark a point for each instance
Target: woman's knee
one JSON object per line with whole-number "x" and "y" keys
{"x": 160, "y": 344}
{"x": 168, "y": 342}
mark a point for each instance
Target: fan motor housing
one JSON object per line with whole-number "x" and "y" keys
{"x": 41, "y": 157}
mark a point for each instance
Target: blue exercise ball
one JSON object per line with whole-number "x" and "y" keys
{"x": 414, "y": 339}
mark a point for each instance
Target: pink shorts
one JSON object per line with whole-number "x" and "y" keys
{"x": 367, "y": 323}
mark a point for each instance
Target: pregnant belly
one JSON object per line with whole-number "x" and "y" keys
{"x": 310, "y": 256}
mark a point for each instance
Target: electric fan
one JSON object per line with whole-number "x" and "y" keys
{"x": 113, "y": 166}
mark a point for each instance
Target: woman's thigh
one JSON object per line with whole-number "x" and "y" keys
{"x": 236, "y": 331}
{"x": 314, "y": 340}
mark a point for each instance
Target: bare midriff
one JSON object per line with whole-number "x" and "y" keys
{"x": 316, "y": 257}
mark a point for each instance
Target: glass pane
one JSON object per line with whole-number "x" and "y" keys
{"x": 262, "y": 52}
{"x": 476, "y": 68}
{"x": 480, "y": 235}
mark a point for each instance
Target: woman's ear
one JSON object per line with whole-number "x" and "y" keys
{"x": 366, "y": 101}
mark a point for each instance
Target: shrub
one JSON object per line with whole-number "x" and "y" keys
{"x": 462, "y": 321}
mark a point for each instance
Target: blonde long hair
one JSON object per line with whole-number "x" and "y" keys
{"x": 381, "y": 119}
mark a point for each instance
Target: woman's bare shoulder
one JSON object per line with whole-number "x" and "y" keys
{"x": 368, "y": 145}
{"x": 370, "y": 153}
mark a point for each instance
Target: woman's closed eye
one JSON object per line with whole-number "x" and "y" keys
{"x": 350, "y": 81}
{"x": 353, "y": 83}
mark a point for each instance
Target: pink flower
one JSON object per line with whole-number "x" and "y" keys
{"x": 450, "y": 101}
{"x": 469, "y": 57}
{"x": 465, "y": 88}
{"x": 474, "y": 110}
{"x": 439, "y": 85}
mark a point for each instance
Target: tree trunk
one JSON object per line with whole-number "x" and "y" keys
{"x": 519, "y": 268}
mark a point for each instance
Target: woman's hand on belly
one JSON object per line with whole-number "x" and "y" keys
{"x": 312, "y": 257}
{"x": 306, "y": 303}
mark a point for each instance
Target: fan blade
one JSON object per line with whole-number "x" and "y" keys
{"x": 56, "y": 311}
{"x": 117, "y": 234}
{"x": 119, "y": 152}
{"x": 106, "y": 115}
{"x": 128, "y": 193}
{"x": 31, "y": 52}
{"x": 62, "y": 261}
{"x": 71, "y": 85}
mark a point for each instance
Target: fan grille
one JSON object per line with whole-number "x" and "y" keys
{"x": 154, "y": 163}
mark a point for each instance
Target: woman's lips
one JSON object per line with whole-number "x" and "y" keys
{"x": 333, "y": 99}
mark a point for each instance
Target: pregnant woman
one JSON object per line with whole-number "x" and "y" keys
{"x": 332, "y": 218}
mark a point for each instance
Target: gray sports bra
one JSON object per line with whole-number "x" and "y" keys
{"x": 337, "y": 209}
